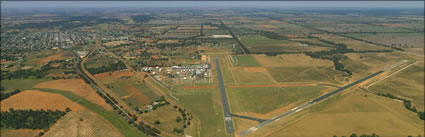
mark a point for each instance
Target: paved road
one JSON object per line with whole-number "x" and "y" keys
{"x": 301, "y": 107}
{"x": 226, "y": 109}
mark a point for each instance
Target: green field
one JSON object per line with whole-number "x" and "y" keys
{"x": 244, "y": 61}
{"x": 263, "y": 100}
{"x": 21, "y": 84}
{"x": 205, "y": 104}
{"x": 111, "y": 116}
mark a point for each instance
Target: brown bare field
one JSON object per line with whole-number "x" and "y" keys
{"x": 357, "y": 112}
{"x": 19, "y": 132}
{"x": 140, "y": 97}
{"x": 78, "y": 87}
{"x": 57, "y": 56}
{"x": 36, "y": 100}
{"x": 291, "y": 60}
{"x": 254, "y": 69}
{"x": 82, "y": 124}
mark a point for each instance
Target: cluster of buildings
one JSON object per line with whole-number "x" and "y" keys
{"x": 37, "y": 40}
{"x": 196, "y": 72}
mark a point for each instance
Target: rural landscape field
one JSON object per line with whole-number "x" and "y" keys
{"x": 141, "y": 69}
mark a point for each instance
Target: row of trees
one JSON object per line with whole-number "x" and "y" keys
{"x": 30, "y": 119}
{"x": 406, "y": 103}
{"x": 7, "y": 95}
{"x": 362, "y": 135}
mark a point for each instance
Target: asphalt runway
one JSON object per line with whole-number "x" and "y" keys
{"x": 226, "y": 109}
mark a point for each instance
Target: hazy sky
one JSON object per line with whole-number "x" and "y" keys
{"x": 141, "y": 4}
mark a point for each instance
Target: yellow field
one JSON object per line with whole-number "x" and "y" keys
{"x": 36, "y": 100}
{"x": 19, "y": 132}
{"x": 82, "y": 124}
{"x": 78, "y": 87}
{"x": 408, "y": 83}
{"x": 167, "y": 116}
{"x": 356, "y": 112}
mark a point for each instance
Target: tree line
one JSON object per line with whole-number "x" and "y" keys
{"x": 406, "y": 103}
{"x": 30, "y": 119}
{"x": 7, "y": 95}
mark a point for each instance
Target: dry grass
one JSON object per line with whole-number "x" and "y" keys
{"x": 291, "y": 60}
{"x": 36, "y": 100}
{"x": 353, "y": 113}
{"x": 78, "y": 87}
{"x": 19, "y": 132}
{"x": 139, "y": 96}
{"x": 82, "y": 124}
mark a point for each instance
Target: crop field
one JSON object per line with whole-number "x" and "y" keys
{"x": 263, "y": 100}
{"x": 78, "y": 87}
{"x": 111, "y": 116}
{"x": 407, "y": 83}
{"x": 126, "y": 85}
{"x": 366, "y": 113}
{"x": 83, "y": 123}
{"x": 205, "y": 104}
{"x": 244, "y": 61}
{"x": 34, "y": 99}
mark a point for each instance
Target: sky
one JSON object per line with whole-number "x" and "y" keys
{"x": 141, "y": 4}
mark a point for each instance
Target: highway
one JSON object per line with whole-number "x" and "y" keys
{"x": 314, "y": 101}
{"x": 226, "y": 109}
